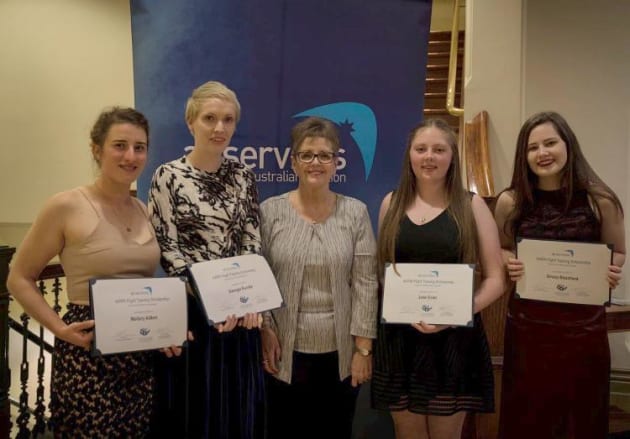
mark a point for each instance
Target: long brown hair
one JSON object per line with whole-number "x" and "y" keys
{"x": 576, "y": 175}
{"x": 458, "y": 200}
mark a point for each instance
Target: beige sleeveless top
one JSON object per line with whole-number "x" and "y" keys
{"x": 106, "y": 253}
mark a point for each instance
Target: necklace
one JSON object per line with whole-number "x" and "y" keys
{"x": 423, "y": 220}
{"x": 121, "y": 219}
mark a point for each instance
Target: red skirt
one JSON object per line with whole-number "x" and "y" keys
{"x": 556, "y": 372}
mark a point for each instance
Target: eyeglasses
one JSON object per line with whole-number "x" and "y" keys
{"x": 322, "y": 157}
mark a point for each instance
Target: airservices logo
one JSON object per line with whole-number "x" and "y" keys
{"x": 272, "y": 164}
{"x": 145, "y": 291}
{"x": 361, "y": 121}
{"x": 233, "y": 266}
{"x": 565, "y": 253}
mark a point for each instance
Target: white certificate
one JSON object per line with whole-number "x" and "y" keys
{"x": 237, "y": 285}
{"x": 437, "y": 294}
{"x": 564, "y": 271}
{"x": 138, "y": 314}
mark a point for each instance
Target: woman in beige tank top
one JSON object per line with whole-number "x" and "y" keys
{"x": 98, "y": 231}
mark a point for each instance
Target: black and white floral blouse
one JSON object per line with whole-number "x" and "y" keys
{"x": 200, "y": 216}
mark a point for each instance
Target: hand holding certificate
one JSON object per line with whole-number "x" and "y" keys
{"x": 235, "y": 286}
{"x": 563, "y": 271}
{"x": 138, "y": 314}
{"x": 437, "y": 294}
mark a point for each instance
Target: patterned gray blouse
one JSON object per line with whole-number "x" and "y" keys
{"x": 200, "y": 216}
{"x": 348, "y": 241}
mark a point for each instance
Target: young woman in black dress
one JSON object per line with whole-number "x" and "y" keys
{"x": 429, "y": 376}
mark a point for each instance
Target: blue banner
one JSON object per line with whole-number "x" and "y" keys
{"x": 359, "y": 63}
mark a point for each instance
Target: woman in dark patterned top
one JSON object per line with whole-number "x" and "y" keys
{"x": 557, "y": 360}
{"x": 427, "y": 375}
{"x": 204, "y": 206}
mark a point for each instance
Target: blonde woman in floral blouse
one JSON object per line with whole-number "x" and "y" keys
{"x": 204, "y": 206}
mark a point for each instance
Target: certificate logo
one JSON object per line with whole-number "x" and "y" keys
{"x": 145, "y": 291}
{"x": 244, "y": 299}
{"x": 144, "y": 331}
{"x": 233, "y": 266}
{"x": 432, "y": 273}
{"x": 426, "y": 308}
{"x": 565, "y": 253}
{"x": 561, "y": 287}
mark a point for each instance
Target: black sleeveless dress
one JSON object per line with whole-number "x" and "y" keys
{"x": 432, "y": 374}
{"x": 557, "y": 360}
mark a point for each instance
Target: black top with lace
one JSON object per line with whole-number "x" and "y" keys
{"x": 548, "y": 219}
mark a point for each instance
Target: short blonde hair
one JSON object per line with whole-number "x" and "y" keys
{"x": 211, "y": 89}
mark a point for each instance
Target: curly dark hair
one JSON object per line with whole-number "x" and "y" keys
{"x": 113, "y": 116}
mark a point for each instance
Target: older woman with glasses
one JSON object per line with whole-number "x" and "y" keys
{"x": 321, "y": 249}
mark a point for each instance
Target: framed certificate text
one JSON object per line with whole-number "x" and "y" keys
{"x": 138, "y": 314}
{"x": 437, "y": 294}
{"x": 564, "y": 271}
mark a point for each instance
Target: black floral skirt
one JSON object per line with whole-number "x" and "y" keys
{"x": 106, "y": 396}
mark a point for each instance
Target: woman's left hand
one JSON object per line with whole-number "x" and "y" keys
{"x": 614, "y": 276}
{"x": 425, "y": 328}
{"x": 361, "y": 369}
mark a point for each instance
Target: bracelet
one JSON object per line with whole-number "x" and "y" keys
{"x": 362, "y": 351}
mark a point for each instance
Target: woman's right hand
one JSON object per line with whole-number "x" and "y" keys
{"x": 515, "y": 269}
{"x": 176, "y": 351}
{"x": 272, "y": 352}
{"x": 427, "y": 328}
{"x": 77, "y": 333}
